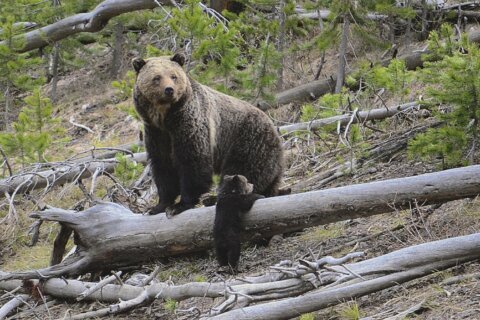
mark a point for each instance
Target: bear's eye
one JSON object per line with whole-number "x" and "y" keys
{"x": 174, "y": 77}
{"x": 157, "y": 78}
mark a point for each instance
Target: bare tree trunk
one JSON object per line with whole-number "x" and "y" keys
{"x": 117, "y": 51}
{"x": 281, "y": 44}
{"x": 424, "y": 31}
{"x": 54, "y": 63}
{"x": 119, "y": 238}
{"x": 8, "y": 101}
{"x": 342, "y": 59}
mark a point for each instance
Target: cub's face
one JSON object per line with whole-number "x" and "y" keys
{"x": 236, "y": 184}
{"x": 162, "y": 81}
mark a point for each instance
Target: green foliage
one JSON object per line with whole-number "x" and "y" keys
{"x": 452, "y": 81}
{"x": 124, "y": 92}
{"x": 261, "y": 75}
{"x": 447, "y": 143}
{"x": 34, "y": 131}
{"x": 200, "y": 278}
{"x": 125, "y": 86}
{"x": 127, "y": 170}
{"x": 395, "y": 78}
{"x": 350, "y": 312}
{"x": 170, "y": 305}
{"x": 443, "y": 43}
{"x": 328, "y": 105}
{"x": 307, "y": 316}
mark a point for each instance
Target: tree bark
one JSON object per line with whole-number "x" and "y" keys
{"x": 117, "y": 51}
{"x": 342, "y": 59}
{"x": 119, "y": 238}
{"x": 92, "y": 21}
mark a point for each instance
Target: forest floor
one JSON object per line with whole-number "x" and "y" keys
{"x": 388, "y": 232}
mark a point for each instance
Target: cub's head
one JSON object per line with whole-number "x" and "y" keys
{"x": 162, "y": 81}
{"x": 236, "y": 184}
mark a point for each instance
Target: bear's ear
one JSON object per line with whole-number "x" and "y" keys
{"x": 138, "y": 64}
{"x": 179, "y": 58}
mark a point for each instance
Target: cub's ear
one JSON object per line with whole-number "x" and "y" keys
{"x": 138, "y": 64}
{"x": 179, "y": 58}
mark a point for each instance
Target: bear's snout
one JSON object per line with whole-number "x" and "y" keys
{"x": 169, "y": 91}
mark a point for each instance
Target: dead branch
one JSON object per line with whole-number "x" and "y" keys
{"x": 337, "y": 280}
{"x": 360, "y": 116}
{"x": 92, "y": 21}
{"x": 63, "y": 173}
{"x": 11, "y": 305}
{"x": 387, "y": 271}
{"x": 119, "y": 238}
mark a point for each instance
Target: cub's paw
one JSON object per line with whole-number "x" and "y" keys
{"x": 177, "y": 208}
{"x": 157, "y": 209}
{"x": 209, "y": 201}
{"x": 284, "y": 192}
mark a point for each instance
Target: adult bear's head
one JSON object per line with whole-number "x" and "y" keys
{"x": 162, "y": 81}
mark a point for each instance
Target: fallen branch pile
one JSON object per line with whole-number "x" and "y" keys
{"x": 332, "y": 281}
{"x": 109, "y": 236}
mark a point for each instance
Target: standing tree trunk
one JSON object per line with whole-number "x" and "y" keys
{"x": 342, "y": 54}
{"x": 54, "y": 62}
{"x": 281, "y": 44}
{"x": 7, "y": 107}
{"x": 53, "y": 70}
{"x": 117, "y": 51}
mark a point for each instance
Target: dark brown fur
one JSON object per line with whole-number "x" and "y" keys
{"x": 235, "y": 198}
{"x": 198, "y": 131}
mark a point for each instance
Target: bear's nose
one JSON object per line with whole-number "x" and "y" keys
{"x": 169, "y": 91}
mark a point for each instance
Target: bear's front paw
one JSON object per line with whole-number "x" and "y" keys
{"x": 177, "y": 208}
{"x": 157, "y": 209}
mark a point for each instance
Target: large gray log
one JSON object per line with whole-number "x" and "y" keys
{"x": 110, "y": 236}
{"x": 452, "y": 251}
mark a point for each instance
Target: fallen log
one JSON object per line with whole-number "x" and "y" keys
{"x": 64, "y": 173}
{"x": 335, "y": 281}
{"x": 109, "y": 236}
{"x": 315, "y": 89}
{"x": 360, "y": 116}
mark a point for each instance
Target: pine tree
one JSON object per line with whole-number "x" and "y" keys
{"x": 453, "y": 82}
{"x": 34, "y": 130}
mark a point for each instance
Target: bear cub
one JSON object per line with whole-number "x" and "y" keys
{"x": 235, "y": 198}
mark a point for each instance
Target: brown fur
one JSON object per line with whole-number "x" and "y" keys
{"x": 198, "y": 131}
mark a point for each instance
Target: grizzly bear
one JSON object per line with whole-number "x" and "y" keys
{"x": 235, "y": 198}
{"x": 192, "y": 131}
